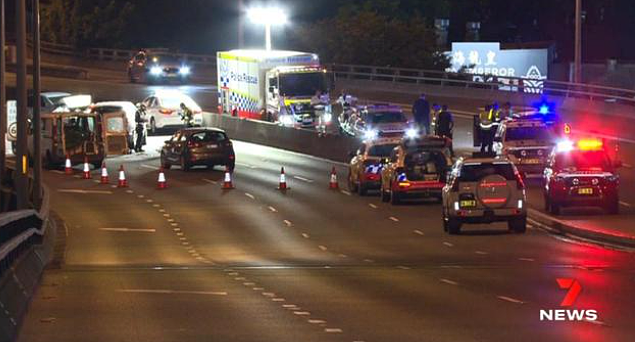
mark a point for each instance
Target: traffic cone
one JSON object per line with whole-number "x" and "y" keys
{"x": 104, "y": 173}
{"x": 86, "y": 169}
{"x": 162, "y": 184}
{"x": 333, "y": 185}
{"x": 68, "y": 167}
{"x": 227, "y": 182}
{"x": 123, "y": 183}
{"x": 283, "y": 181}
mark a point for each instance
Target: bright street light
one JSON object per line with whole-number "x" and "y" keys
{"x": 267, "y": 16}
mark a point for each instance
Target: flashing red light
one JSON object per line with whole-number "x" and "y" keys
{"x": 590, "y": 145}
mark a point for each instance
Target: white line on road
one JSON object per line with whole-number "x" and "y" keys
{"x": 303, "y": 179}
{"x": 278, "y": 299}
{"x": 418, "y": 232}
{"x": 316, "y": 321}
{"x": 323, "y": 248}
{"x": 129, "y": 230}
{"x": 268, "y": 294}
{"x": 347, "y": 193}
{"x": 403, "y": 267}
{"x": 481, "y": 252}
{"x": 149, "y": 167}
{"x": 628, "y": 166}
{"x": 448, "y": 281}
{"x": 628, "y": 205}
{"x": 369, "y": 260}
{"x": 272, "y": 209}
{"x": 156, "y": 205}
{"x": 332, "y": 330}
{"x": 85, "y": 192}
{"x": 58, "y": 172}
{"x": 302, "y": 313}
{"x": 526, "y": 259}
{"x": 342, "y": 255}
{"x": 287, "y": 222}
{"x": 290, "y": 306}
{"x": 250, "y": 195}
{"x": 210, "y": 181}
{"x": 448, "y": 244}
{"x": 249, "y": 283}
{"x": 140, "y": 196}
{"x": 212, "y": 293}
{"x": 372, "y": 205}
{"x": 394, "y": 219}
{"x": 306, "y": 236}
{"x": 511, "y": 300}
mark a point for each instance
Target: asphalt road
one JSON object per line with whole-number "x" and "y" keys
{"x": 195, "y": 263}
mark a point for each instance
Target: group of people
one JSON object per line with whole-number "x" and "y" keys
{"x": 434, "y": 120}
{"x": 489, "y": 120}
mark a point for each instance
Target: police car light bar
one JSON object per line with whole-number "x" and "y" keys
{"x": 564, "y": 146}
{"x": 590, "y": 144}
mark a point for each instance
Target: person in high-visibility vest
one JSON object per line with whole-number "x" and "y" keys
{"x": 487, "y": 127}
{"x": 434, "y": 113}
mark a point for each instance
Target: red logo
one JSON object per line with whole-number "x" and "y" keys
{"x": 574, "y": 288}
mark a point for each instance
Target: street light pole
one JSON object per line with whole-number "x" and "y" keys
{"x": 37, "y": 123}
{"x": 268, "y": 36}
{"x": 241, "y": 24}
{"x": 22, "y": 161}
{"x": 577, "y": 72}
{"x": 267, "y": 17}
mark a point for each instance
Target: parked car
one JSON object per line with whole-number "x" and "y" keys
{"x": 190, "y": 147}
{"x": 128, "y": 108}
{"x": 163, "y": 110}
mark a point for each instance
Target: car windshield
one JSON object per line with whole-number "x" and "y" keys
{"x": 583, "y": 161}
{"x": 476, "y": 172}
{"x": 529, "y": 133}
{"x": 174, "y": 102}
{"x": 302, "y": 84}
{"x": 208, "y": 136}
{"x": 425, "y": 165}
{"x": 381, "y": 150}
{"x": 385, "y": 117}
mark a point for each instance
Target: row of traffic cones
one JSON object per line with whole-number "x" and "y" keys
{"x": 162, "y": 182}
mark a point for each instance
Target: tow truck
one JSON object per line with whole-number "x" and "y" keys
{"x": 581, "y": 173}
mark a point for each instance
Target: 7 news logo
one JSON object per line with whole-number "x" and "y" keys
{"x": 573, "y": 288}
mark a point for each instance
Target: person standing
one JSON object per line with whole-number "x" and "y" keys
{"x": 186, "y": 116}
{"x": 486, "y": 129}
{"x": 140, "y": 122}
{"x": 445, "y": 125}
{"x": 421, "y": 113}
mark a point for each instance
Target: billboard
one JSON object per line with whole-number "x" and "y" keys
{"x": 488, "y": 63}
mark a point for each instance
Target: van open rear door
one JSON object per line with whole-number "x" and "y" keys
{"x": 115, "y": 133}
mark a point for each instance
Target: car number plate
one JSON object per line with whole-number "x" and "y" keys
{"x": 531, "y": 161}
{"x": 212, "y": 146}
{"x": 468, "y": 203}
{"x": 585, "y": 191}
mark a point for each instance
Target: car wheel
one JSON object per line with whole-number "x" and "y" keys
{"x": 554, "y": 208}
{"x": 185, "y": 166}
{"x": 395, "y": 199}
{"x": 352, "y": 186}
{"x": 164, "y": 163}
{"x": 454, "y": 226}
{"x": 518, "y": 225}
{"x": 613, "y": 206}
{"x": 153, "y": 126}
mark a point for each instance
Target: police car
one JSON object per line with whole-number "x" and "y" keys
{"x": 527, "y": 143}
{"x": 484, "y": 190}
{"x": 378, "y": 120}
{"x": 364, "y": 171}
{"x": 581, "y": 173}
{"x": 416, "y": 168}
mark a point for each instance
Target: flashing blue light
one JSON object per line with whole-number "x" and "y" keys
{"x": 544, "y": 109}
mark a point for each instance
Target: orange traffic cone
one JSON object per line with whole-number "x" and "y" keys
{"x": 68, "y": 167}
{"x": 333, "y": 185}
{"x": 283, "y": 180}
{"x": 86, "y": 169}
{"x": 123, "y": 183}
{"x": 227, "y": 182}
{"x": 104, "y": 173}
{"x": 162, "y": 184}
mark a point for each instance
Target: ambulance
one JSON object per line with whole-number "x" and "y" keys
{"x": 274, "y": 86}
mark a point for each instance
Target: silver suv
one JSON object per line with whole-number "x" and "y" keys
{"x": 484, "y": 190}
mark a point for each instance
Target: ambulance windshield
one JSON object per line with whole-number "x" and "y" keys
{"x": 302, "y": 84}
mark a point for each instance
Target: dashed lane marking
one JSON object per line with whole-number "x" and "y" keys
{"x": 628, "y": 205}
{"x": 156, "y": 205}
{"x": 140, "y": 196}
{"x": 511, "y": 300}
{"x": 150, "y": 291}
{"x": 342, "y": 255}
{"x": 289, "y": 306}
{"x": 316, "y": 321}
{"x": 418, "y": 232}
{"x": 323, "y": 248}
{"x": 149, "y": 200}
{"x": 138, "y": 230}
{"x": 481, "y": 252}
{"x": 278, "y": 299}
{"x": 272, "y": 209}
{"x": 306, "y": 236}
{"x": 526, "y": 259}
{"x": 129, "y": 191}
{"x": 250, "y": 195}
{"x": 347, "y": 193}
{"x": 394, "y": 219}
{"x": 85, "y": 192}
{"x": 369, "y": 260}
{"x": 448, "y": 244}
{"x": 303, "y": 179}
{"x": 58, "y": 172}
{"x": 332, "y": 330}
{"x": 403, "y": 267}
{"x": 374, "y": 206}
{"x": 448, "y": 281}
{"x": 302, "y": 313}
{"x": 210, "y": 181}
{"x": 249, "y": 283}
{"x": 146, "y": 166}
{"x": 287, "y": 222}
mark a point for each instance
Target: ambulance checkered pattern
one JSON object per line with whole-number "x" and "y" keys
{"x": 224, "y": 81}
{"x": 243, "y": 103}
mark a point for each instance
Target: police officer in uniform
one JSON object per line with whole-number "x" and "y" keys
{"x": 486, "y": 129}
{"x": 445, "y": 125}
{"x": 140, "y": 121}
{"x": 186, "y": 116}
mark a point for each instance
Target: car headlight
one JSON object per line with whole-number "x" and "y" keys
{"x": 286, "y": 120}
{"x": 185, "y": 70}
{"x": 412, "y": 133}
{"x": 156, "y": 70}
{"x": 370, "y": 134}
{"x": 327, "y": 117}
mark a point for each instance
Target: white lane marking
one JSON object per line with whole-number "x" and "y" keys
{"x": 369, "y": 260}
{"x": 277, "y": 299}
{"x": 268, "y": 294}
{"x": 258, "y": 288}
{"x": 156, "y": 205}
{"x": 530, "y": 226}
{"x": 166, "y": 215}
{"x": 347, "y": 193}
{"x": 250, "y": 195}
{"x": 418, "y": 232}
{"x": 129, "y": 191}
{"x": 303, "y": 179}
{"x": 372, "y": 205}
{"x": 140, "y": 230}
{"x": 628, "y": 166}
{"x": 306, "y": 236}
{"x": 140, "y": 196}
{"x": 176, "y": 229}
{"x": 448, "y": 244}
{"x": 249, "y": 283}
{"x": 240, "y": 278}
{"x": 232, "y": 273}
{"x": 448, "y": 281}
{"x": 210, "y": 293}
{"x": 511, "y": 300}
{"x": 179, "y": 234}
{"x": 323, "y": 248}
{"x": 59, "y": 172}
{"x": 403, "y": 267}
{"x": 480, "y": 253}
{"x": 289, "y": 306}
{"x": 302, "y": 313}
{"x": 210, "y": 181}
{"x": 394, "y": 219}
{"x": 287, "y": 222}
{"x": 149, "y": 167}
{"x": 332, "y": 330}
{"x": 272, "y": 209}
{"x": 526, "y": 259}
{"x": 628, "y": 205}
{"x": 85, "y": 192}
{"x": 316, "y": 321}
{"x": 161, "y": 210}
{"x": 96, "y": 181}
{"x": 342, "y": 255}
{"x": 171, "y": 220}
{"x": 149, "y": 200}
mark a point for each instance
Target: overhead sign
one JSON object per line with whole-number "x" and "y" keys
{"x": 487, "y": 60}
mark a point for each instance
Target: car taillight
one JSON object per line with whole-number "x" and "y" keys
{"x": 166, "y": 111}
{"x": 519, "y": 181}
{"x": 194, "y": 144}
